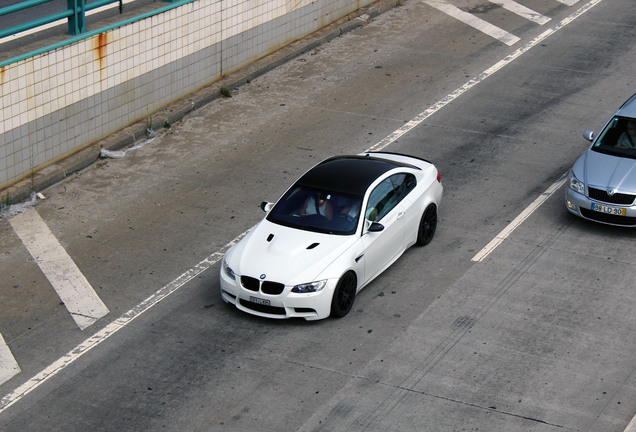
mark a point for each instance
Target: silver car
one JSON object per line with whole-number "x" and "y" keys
{"x": 601, "y": 184}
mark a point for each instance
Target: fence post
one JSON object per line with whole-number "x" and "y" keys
{"x": 76, "y": 22}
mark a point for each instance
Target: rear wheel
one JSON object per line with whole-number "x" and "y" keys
{"x": 427, "y": 227}
{"x": 344, "y": 295}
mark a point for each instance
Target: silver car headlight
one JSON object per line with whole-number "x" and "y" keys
{"x": 228, "y": 270}
{"x": 575, "y": 184}
{"x": 309, "y": 287}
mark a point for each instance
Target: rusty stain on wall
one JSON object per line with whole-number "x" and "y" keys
{"x": 99, "y": 47}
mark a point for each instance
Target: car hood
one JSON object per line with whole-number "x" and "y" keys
{"x": 286, "y": 255}
{"x": 606, "y": 171}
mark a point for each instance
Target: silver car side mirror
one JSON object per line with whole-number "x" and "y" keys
{"x": 588, "y": 135}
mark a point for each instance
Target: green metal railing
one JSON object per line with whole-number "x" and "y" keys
{"x": 75, "y": 12}
{"x": 87, "y": 34}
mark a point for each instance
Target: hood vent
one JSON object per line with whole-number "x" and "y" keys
{"x": 270, "y": 237}
{"x": 313, "y": 245}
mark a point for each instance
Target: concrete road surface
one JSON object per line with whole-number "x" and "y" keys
{"x": 534, "y": 333}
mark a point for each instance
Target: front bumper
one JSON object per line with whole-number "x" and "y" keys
{"x": 581, "y": 206}
{"x": 310, "y": 306}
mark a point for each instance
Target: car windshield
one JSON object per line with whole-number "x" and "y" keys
{"x": 317, "y": 210}
{"x": 618, "y": 138}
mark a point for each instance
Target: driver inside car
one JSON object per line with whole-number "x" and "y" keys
{"x": 318, "y": 204}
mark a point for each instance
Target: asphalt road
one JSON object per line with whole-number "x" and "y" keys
{"x": 537, "y": 336}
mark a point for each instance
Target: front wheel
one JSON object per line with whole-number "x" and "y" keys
{"x": 344, "y": 295}
{"x": 428, "y": 224}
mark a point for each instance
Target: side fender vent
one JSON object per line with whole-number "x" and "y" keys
{"x": 270, "y": 237}
{"x": 313, "y": 245}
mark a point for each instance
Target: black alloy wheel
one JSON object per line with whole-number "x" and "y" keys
{"x": 428, "y": 224}
{"x": 344, "y": 295}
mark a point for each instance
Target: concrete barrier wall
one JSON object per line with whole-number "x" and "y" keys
{"x": 56, "y": 103}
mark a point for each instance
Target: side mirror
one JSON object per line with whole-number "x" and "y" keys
{"x": 266, "y": 206}
{"x": 588, "y": 135}
{"x": 375, "y": 227}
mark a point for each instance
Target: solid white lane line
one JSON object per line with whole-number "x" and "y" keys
{"x": 71, "y": 286}
{"x": 522, "y": 11}
{"x": 8, "y": 366}
{"x": 477, "y": 23}
{"x": 417, "y": 120}
{"x": 113, "y": 328}
{"x": 499, "y": 238}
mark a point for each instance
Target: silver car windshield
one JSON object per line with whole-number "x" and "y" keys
{"x": 317, "y": 210}
{"x": 618, "y": 138}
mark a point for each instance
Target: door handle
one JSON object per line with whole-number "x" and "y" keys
{"x": 400, "y": 214}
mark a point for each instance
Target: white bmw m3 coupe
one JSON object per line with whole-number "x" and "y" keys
{"x": 332, "y": 232}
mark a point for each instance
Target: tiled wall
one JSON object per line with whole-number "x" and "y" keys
{"x": 55, "y": 103}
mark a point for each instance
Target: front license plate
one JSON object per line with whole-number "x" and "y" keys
{"x": 260, "y": 301}
{"x": 608, "y": 210}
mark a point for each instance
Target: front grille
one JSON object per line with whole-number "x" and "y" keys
{"x": 272, "y": 310}
{"x": 618, "y": 198}
{"x": 266, "y": 287}
{"x": 607, "y": 218}
{"x": 272, "y": 288}
{"x": 250, "y": 283}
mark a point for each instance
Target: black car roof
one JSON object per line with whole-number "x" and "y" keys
{"x": 346, "y": 174}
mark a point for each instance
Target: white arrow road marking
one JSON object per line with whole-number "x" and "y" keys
{"x": 477, "y": 23}
{"x": 71, "y": 286}
{"x": 8, "y": 366}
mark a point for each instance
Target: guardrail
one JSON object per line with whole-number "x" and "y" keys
{"x": 169, "y": 4}
{"x": 75, "y": 12}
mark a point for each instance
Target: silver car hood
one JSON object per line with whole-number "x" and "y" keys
{"x": 603, "y": 171}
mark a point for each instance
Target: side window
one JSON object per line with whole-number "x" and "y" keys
{"x": 377, "y": 199}
{"x": 403, "y": 184}
{"x": 388, "y": 194}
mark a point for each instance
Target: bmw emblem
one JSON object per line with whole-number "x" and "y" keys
{"x": 263, "y": 276}
{"x": 611, "y": 192}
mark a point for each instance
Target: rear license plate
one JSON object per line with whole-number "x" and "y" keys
{"x": 260, "y": 301}
{"x": 608, "y": 210}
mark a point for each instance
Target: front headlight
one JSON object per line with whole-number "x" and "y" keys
{"x": 309, "y": 287}
{"x": 228, "y": 270}
{"x": 575, "y": 184}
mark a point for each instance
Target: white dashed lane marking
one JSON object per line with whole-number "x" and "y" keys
{"x": 111, "y": 329}
{"x": 490, "y": 29}
{"x": 71, "y": 286}
{"x": 505, "y": 233}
